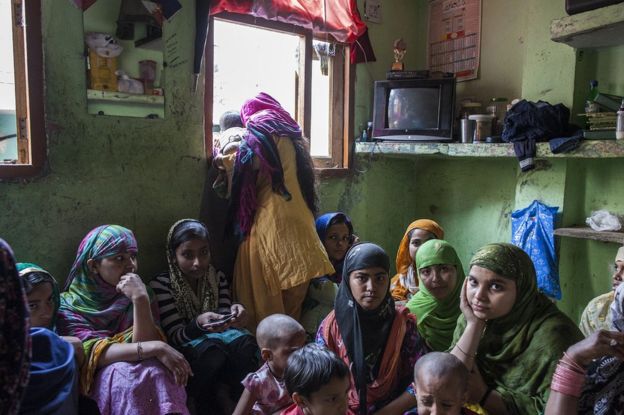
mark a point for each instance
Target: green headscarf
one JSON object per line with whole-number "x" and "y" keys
{"x": 436, "y": 319}
{"x": 26, "y": 268}
{"x": 518, "y": 352}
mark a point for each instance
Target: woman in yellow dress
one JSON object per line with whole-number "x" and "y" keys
{"x": 272, "y": 206}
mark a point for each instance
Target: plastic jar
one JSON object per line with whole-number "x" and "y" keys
{"x": 483, "y": 128}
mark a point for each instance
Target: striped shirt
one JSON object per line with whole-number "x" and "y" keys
{"x": 179, "y": 329}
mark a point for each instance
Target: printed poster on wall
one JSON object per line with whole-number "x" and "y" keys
{"x": 454, "y": 38}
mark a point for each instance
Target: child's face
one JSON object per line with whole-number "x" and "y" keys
{"x": 41, "y": 305}
{"x": 439, "y": 279}
{"x": 437, "y": 396}
{"x": 419, "y": 237}
{"x": 193, "y": 257}
{"x": 330, "y": 399}
{"x": 278, "y": 357}
{"x": 337, "y": 241}
{"x": 111, "y": 269}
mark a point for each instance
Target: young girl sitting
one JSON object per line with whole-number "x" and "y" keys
{"x": 200, "y": 320}
{"x": 265, "y": 393}
{"x": 405, "y": 283}
{"x": 318, "y": 382}
{"x": 52, "y": 387}
{"x": 128, "y": 367}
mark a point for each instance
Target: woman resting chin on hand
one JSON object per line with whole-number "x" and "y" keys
{"x": 510, "y": 334}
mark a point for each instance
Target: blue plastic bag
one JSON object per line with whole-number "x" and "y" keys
{"x": 532, "y": 230}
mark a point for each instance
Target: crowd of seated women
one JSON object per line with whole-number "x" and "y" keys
{"x": 311, "y": 321}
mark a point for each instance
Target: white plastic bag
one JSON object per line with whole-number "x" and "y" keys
{"x": 602, "y": 220}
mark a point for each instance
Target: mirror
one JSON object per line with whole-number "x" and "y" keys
{"x": 124, "y": 52}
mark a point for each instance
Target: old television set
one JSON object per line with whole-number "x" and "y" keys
{"x": 414, "y": 109}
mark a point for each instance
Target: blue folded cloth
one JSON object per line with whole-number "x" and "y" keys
{"x": 566, "y": 144}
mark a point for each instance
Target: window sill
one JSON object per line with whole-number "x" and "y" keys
{"x": 331, "y": 173}
{"x": 19, "y": 171}
{"x": 588, "y": 149}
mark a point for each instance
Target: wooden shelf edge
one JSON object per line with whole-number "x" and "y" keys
{"x": 589, "y": 233}
{"x": 595, "y": 28}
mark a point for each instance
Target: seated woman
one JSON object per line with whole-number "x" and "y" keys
{"x": 597, "y": 314}
{"x": 128, "y": 367}
{"x": 52, "y": 387}
{"x": 14, "y": 337}
{"x": 193, "y": 297}
{"x": 510, "y": 334}
{"x": 405, "y": 283}
{"x": 589, "y": 378}
{"x": 335, "y": 230}
{"x": 436, "y": 304}
{"x": 380, "y": 343}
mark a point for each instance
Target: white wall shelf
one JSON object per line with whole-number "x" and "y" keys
{"x": 589, "y": 233}
{"x": 588, "y": 149}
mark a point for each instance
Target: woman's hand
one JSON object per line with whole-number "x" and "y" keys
{"x": 207, "y": 322}
{"x": 600, "y": 343}
{"x": 76, "y": 344}
{"x": 465, "y": 307}
{"x": 170, "y": 358}
{"x": 476, "y": 386}
{"x": 132, "y": 287}
{"x": 240, "y": 315}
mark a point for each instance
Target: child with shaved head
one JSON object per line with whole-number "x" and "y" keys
{"x": 441, "y": 385}
{"x": 278, "y": 336}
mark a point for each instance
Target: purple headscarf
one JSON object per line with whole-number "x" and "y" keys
{"x": 264, "y": 118}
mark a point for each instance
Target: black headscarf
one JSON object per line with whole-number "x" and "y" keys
{"x": 364, "y": 332}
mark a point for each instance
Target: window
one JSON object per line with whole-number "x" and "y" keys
{"x": 22, "y": 130}
{"x": 309, "y": 77}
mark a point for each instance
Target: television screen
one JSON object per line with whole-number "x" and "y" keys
{"x": 413, "y": 108}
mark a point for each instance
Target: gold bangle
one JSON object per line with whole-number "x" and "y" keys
{"x": 465, "y": 354}
{"x": 139, "y": 351}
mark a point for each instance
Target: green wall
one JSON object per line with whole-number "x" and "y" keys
{"x": 143, "y": 174}
{"x": 473, "y": 198}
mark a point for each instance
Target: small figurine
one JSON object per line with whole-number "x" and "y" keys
{"x": 400, "y": 48}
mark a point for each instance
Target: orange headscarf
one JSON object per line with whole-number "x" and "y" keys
{"x": 403, "y": 259}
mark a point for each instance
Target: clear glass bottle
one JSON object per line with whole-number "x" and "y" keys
{"x": 590, "y": 102}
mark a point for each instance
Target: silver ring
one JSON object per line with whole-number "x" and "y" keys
{"x": 613, "y": 343}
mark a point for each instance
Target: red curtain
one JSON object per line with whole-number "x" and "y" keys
{"x": 339, "y": 18}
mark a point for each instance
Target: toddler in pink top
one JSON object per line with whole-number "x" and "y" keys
{"x": 278, "y": 337}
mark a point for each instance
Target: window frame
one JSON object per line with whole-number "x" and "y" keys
{"x": 29, "y": 91}
{"x": 343, "y": 77}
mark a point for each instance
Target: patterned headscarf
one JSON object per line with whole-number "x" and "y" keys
{"x": 189, "y": 303}
{"x": 437, "y": 318}
{"x": 617, "y": 310}
{"x": 403, "y": 259}
{"x": 364, "y": 332}
{"x": 91, "y": 309}
{"x": 26, "y": 268}
{"x": 518, "y": 352}
{"x": 14, "y": 337}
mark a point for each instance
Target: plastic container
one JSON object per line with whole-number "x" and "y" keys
{"x": 619, "y": 129}
{"x": 102, "y": 72}
{"x": 483, "y": 128}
